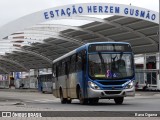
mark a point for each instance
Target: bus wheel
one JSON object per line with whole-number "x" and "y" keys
{"x": 69, "y": 101}
{"x": 42, "y": 90}
{"x": 93, "y": 101}
{"x": 81, "y": 99}
{"x": 63, "y": 100}
{"x": 119, "y": 100}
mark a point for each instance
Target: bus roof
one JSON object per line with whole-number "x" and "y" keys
{"x": 84, "y": 46}
{"x": 107, "y": 43}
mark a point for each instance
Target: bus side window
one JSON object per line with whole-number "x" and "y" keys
{"x": 72, "y": 64}
{"x": 63, "y": 68}
{"x": 67, "y": 68}
{"x": 68, "y": 65}
{"x": 57, "y": 71}
{"x": 54, "y": 71}
{"x": 47, "y": 78}
{"x": 83, "y": 59}
{"x": 79, "y": 62}
{"x": 44, "y": 78}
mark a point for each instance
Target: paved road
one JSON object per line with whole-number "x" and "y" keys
{"x": 34, "y": 101}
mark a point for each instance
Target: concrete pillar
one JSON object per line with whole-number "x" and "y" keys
{"x": 145, "y": 67}
{"x": 158, "y": 67}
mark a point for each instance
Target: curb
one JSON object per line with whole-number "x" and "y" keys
{"x": 19, "y": 90}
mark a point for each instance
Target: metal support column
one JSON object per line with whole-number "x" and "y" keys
{"x": 145, "y": 61}
{"x": 29, "y": 78}
{"x": 158, "y": 60}
{"x": 159, "y": 57}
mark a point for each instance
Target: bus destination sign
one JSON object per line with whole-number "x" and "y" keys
{"x": 109, "y": 48}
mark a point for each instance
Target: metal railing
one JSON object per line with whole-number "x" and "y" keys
{"x": 4, "y": 84}
{"x": 30, "y": 82}
{"x": 149, "y": 76}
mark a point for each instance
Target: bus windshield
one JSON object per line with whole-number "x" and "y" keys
{"x": 110, "y": 66}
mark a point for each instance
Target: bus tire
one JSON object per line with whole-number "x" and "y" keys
{"x": 63, "y": 100}
{"x": 93, "y": 101}
{"x": 69, "y": 101}
{"x": 42, "y": 90}
{"x": 82, "y": 100}
{"x": 119, "y": 100}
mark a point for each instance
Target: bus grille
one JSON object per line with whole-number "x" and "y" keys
{"x": 112, "y": 92}
{"x": 111, "y": 82}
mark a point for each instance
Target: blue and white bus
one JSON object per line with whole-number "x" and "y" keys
{"x": 100, "y": 70}
{"x": 45, "y": 83}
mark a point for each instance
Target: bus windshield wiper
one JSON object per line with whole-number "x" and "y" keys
{"x": 102, "y": 61}
{"x": 113, "y": 64}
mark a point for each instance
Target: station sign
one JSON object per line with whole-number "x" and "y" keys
{"x": 76, "y": 10}
{"x": 100, "y": 9}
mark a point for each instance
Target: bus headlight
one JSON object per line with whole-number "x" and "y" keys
{"x": 130, "y": 85}
{"x": 93, "y": 85}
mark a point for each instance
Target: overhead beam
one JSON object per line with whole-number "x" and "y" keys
{"x": 37, "y": 28}
{"x": 14, "y": 63}
{"x": 4, "y": 70}
{"x": 25, "y": 62}
{"x": 35, "y": 54}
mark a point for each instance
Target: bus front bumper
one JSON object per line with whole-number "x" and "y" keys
{"x": 92, "y": 93}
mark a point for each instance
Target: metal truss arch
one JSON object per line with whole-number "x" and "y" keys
{"x": 35, "y": 54}
{"x": 14, "y": 62}
{"x": 4, "y": 70}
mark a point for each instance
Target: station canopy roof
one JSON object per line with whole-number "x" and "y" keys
{"x": 37, "y": 46}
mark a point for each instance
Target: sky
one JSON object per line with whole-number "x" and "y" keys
{"x": 14, "y": 9}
